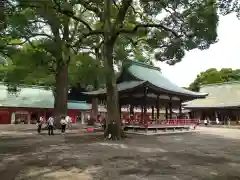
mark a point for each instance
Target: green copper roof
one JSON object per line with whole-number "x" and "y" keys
{"x": 154, "y": 76}
{"x": 220, "y": 96}
{"x": 34, "y": 97}
{"x": 134, "y": 74}
{"x": 78, "y": 105}
{"x": 120, "y": 87}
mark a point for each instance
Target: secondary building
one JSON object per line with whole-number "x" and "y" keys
{"x": 27, "y": 105}
{"x": 223, "y": 102}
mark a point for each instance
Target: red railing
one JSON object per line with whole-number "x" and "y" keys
{"x": 165, "y": 122}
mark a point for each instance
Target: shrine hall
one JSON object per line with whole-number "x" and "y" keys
{"x": 143, "y": 85}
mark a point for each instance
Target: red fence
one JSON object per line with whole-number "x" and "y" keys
{"x": 165, "y": 122}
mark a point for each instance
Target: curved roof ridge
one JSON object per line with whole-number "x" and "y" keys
{"x": 156, "y": 78}
{"x": 138, "y": 63}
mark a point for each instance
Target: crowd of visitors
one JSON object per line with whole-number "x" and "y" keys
{"x": 65, "y": 122}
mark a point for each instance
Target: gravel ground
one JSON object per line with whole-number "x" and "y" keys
{"x": 82, "y": 156}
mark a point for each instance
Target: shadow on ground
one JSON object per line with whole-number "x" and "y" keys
{"x": 88, "y": 157}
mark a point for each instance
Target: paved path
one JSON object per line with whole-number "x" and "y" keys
{"x": 223, "y": 132}
{"x": 82, "y": 156}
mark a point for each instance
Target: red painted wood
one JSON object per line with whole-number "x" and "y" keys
{"x": 4, "y": 117}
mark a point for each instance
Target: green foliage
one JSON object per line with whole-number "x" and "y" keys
{"x": 36, "y": 66}
{"x": 193, "y": 25}
{"x": 184, "y": 25}
{"x": 85, "y": 70}
{"x": 229, "y": 6}
{"x": 212, "y": 76}
{"x": 28, "y": 67}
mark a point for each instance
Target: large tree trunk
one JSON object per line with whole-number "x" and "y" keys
{"x": 61, "y": 91}
{"x": 95, "y": 107}
{"x": 113, "y": 115}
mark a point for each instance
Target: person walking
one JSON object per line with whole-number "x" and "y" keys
{"x": 63, "y": 123}
{"x": 39, "y": 124}
{"x": 50, "y": 125}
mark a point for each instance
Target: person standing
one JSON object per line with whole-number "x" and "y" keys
{"x": 63, "y": 123}
{"x": 205, "y": 122}
{"x": 228, "y": 121}
{"x": 50, "y": 125}
{"x": 217, "y": 120}
{"x": 39, "y": 124}
{"x": 68, "y": 121}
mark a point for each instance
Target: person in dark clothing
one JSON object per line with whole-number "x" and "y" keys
{"x": 63, "y": 124}
{"x": 39, "y": 124}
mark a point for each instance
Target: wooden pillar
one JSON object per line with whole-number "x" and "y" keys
{"x": 131, "y": 112}
{"x": 29, "y": 117}
{"x": 82, "y": 117}
{"x": 120, "y": 109}
{"x": 157, "y": 107}
{"x": 142, "y": 113}
{"x": 166, "y": 113}
{"x": 180, "y": 110}
{"x": 13, "y": 117}
{"x": 170, "y": 108}
{"x": 145, "y": 105}
{"x": 152, "y": 112}
{"x": 94, "y": 107}
{"x": 45, "y": 116}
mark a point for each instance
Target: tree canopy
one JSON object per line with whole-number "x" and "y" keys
{"x": 229, "y": 6}
{"x": 33, "y": 66}
{"x": 111, "y": 31}
{"x": 212, "y": 76}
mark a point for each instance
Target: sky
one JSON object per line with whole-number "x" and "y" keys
{"x": 223, "y": 54}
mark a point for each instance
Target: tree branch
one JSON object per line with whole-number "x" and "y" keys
{"x": 40, "y": 34}
{"x": 120, "y": 17}
{"x": 17, "y": 44}
{"x": 70, "y": 14}
{"x": 91, "y": 8}
{"x": 91, "y": 33}
{"x": 122, "y": 12}
{"x": 115, "y": 4}
{"x": 131, "y": 31}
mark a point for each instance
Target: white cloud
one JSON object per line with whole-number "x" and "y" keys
{"x": 223, "y": 54}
